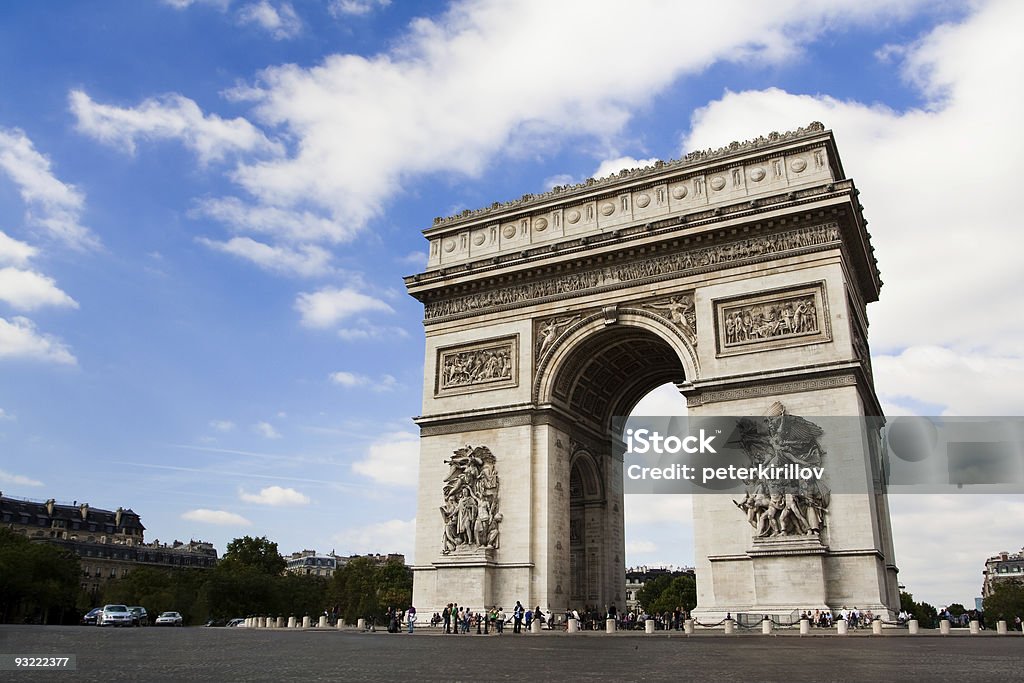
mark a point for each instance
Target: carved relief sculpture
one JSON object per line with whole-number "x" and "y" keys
{"x": 489, "y": 364}
{"x": 772, "y": 320}
{"x": 470, "y": 510}
{"x": 680, "y": 310}
{"x": 783, "y": 506}
{"x": 548, "y": 331}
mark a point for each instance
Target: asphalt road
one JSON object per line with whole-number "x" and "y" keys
{"x": 222, "y": 654}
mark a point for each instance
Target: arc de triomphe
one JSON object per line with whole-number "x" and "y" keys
{"x": 547, "y": 316}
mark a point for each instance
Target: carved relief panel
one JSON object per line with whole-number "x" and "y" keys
{"x": 776, "y": 319}
{"x": 481, "y": 366}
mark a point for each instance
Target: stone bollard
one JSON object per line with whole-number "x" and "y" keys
{"x": 1001, "y": 627}
{"x": 574, "y": 625}
{"x": 291, "y": 622}
{"x": 842, "y": 628}
{"x": 535, "y": 626}
{"x": 305, "y": 622}
{"x": 340, "y": 625}
{"x": 766, "y": 627}
{"x": 323, "y": 621}
{"x": 361, "y": 624}
{"x": 805, "y": 627}
{"x": 876, "y": 627}
{"x": 248, "y": 622}
{"x": 688, "y": 627}
{"x": 609, "y": 626}
{"x": 262, "y": 622}
{"x": 649, "y": 626}
{"x": 944, "y": 627}
{"x": 975, "y": 627}
{"x": 730, "y": 627}
{"x": 913, "y": 627}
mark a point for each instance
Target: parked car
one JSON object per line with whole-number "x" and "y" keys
{"x": 169, "y": 619}
{"x": 236, "y": 622}
{"x": 91, "y": 616}
{"x": 115, "y": 615}
{"x": 139, "y": 615}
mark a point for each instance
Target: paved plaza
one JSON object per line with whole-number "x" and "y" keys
{"x": 220, "y": 654}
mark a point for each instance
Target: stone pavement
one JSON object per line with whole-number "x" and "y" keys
{"x": 223, "y": 654}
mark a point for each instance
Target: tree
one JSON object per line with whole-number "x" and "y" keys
{"x": 257, "y": 553}
{"x": 667, "y": 592}
{"x": 363, "y": 589}
{"x": 1005, "y": 602}
{"x": 925, "y": 613}
{"x": 38, "y": 581}
{"x": 956, "y": 609}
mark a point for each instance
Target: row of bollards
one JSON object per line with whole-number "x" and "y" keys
{"x": 292, "y": 622}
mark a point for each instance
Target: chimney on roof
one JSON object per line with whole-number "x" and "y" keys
{"x": 84, "y": 509}
{"x": 1004, "y": 555}
{"x": 117, "y": 517}
{"x": 49, "y": 506}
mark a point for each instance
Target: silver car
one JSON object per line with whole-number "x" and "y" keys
{"x": 169, "y": 619}
{"x": 115, "y": 615}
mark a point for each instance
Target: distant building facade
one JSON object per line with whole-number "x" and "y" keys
{"x": 1001, "y": 568}
{"x": 310, "y": 563}
{"x": 109, "y": 543}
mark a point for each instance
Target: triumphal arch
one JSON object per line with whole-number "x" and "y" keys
{"x": 742, "y": 276}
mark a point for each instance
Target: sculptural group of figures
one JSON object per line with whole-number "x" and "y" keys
{"x": 784, "y": 506}
{"x": 470, "y": 511}
{"x": 778, "y": 319}
{"x": 480, "y": 365}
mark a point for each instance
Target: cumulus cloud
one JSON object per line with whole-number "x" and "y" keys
{"x": 351, "y": 379}
{"x": 222, "y": 425}
{"x": 305, "y": 260}
{"x": 276, "y": 496}
{"x": 54, "y": 206}
{"x": 185, "y": 4}
{"x": 392, "y": 460}
{"x": 939, "y": 187}
{"x": 266, "y": 430}
{"x": 391, "y": 536}
{"x": 168, "y": 117}
{"x": 612, "y": 166}
{"x": 19, "y": 338}
{"x": 281, "y": 22}
{"x": 14, "y": 252}
{"x": 26, "y": 290}
{"x": 328, "y": 306}
{"x": 219, "y": 517}
{"x": 665, "y": 400}
{"x": 18, "y": 479}
{"x": 4, "y": 415}
{"x": 355, "y": 7}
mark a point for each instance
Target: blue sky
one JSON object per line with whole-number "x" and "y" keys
{"x": 206, "y": 208}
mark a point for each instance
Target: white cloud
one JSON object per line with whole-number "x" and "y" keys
{"x": 330, "y": 305}
{"x": 18, "y": 479}
{"x": 392, "y": 536}
{"x": 168, "y": 117}
{"x": 612, "y": 166}
{"x": 52, "y": 205}
{"x": 365, "y": 330}
{"x": 664, "y": 400}
{"x": 185, "y": 4}
{"x": 939, "y": 184}
{"x": 415, "y": 258}
{"x": 281, "y": 22}
{"x": 4, "y": 415}
{"x": 27, "y": 290}
{"x": 963, "y": 530}
{"x": 641, "y": 547}
{"x": 392, "y": 460}
{"x": 266, "y": 430}
{"x": 285, "y": 224}
{"x": 20, "y": 339}
{"x": 355, "y": 7}
{"x": 350, "y": 379}
{"x": 222, "y": 425}
{"x": 275, "y": 495}
{"x": 220, "y": 517}
{"x": 305, "y": 260}
{"x": 14, "y": 252}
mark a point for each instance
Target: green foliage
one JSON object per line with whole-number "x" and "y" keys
{"x": 362, "y": 589}
{"x": 256, "y": 553}
{"x": 160, "y": 590}
{"x": 1005, "y": 603}
{"x": 38, "y": 581}
{"x": 667, "y": 592}
{"x": 925, "y": 613}
{"x": 956, "y": 609}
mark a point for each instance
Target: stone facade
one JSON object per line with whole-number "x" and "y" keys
{"x": 741, "y": 275}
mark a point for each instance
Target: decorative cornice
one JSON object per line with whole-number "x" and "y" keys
{"x": 697, "y": 397}
{"x": 692, "y": 159}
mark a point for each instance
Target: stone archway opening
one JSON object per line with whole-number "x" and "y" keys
{"x": 606, "y": 375}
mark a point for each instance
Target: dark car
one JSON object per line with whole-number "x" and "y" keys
{"x": 91, "y": 616}
{"x": 139, "y": 616}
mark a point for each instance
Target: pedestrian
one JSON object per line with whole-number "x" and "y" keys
{"x": 446, "y": 616}
{"x": 517, "y": 617}
{"x": 410, "y": 617}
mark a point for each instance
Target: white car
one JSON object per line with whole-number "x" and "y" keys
{"x": 115, "y": 615}
{"x": 169, "y": 619}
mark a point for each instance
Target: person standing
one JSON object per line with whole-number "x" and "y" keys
{"x": 517, "y": 617}
{"x": 410, "y": 617}
{"x": 446, "y": 615}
